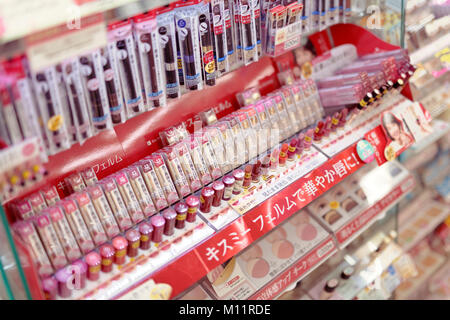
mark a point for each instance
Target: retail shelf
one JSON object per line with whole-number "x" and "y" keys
{"x": 322, "y": 252}
{"x": 21, "y": 18}
{"x": 428, "y": 263}
{"x": 292, "y": 194}
{"x": 440, "y": 129}
{"x": 425, "y": 52}
{"x": 420, "y": 225}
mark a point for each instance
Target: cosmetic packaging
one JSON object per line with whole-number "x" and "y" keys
{"x": 153, "y": 186}
{"x": 175, "y": 167}
{"x": 89, "y": 177}
{"x": 107, "y": 253}
{"x": 30, "y": 236}
{"x": 229, "y": 182}
{"x": 187, "y": 164}
{"x": 120, "y": 34}
{"x": 181, "y": 209}
{"x": 164, "y": 178}
{"x": 206, "y": 199}
{"x": 64, "y": 233}
{"x": 120, "y": 245}
{"x": 220, "y": 41}
{"x": 219, "y": 188}
{"x": 140, "y": 190}
{"x": 228, "y": 19}
{"x": 133, "y": 237}
{"x": 94, "y": 261}
{"x": 23, "y": 209}
{"x": 63, "y": 276}
{"x": 37, "y": 202}
{"x": 248, "y": 31}
{"x": 116, "y": 203}
{"x": 158, "y": 223}
{"x": 170, "y": 217}
{"x": 209, "y": 154}
{"x": 205, "y": 35}
{"x": 167, "y": 42}
{"x": 129, "y": 197}
{"x": 150, "y": 58}
{"x": 187, "y": 25}
{"x": 75, "y": 183}
{"x": 193, "y": 203}
{"x": 78, "y": 226}
{"x": 92, "y": 78}
{"x": 104, "y": 211}
{"x": 239, "y": 176}
{"x": 146, "y": 231}
{"x": 90, "y": 217}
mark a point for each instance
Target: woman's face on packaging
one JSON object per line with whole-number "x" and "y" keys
{"x": 394, "y": 130}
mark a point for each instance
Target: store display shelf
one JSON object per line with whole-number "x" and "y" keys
{"x": 189, "y": 268}
{"x": 291, "y": 192}
{"x": 325, "y": 250}
{"x": 440, "y": 129}
{"x": 420, "y": 225}
{"x": 366, "y": 218}
{"x": 431, "y": 48}
{"x": 19, "y": 21}
{"x": 428, "y": 263}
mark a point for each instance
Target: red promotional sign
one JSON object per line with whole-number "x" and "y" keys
{"x": 377, "y": 139}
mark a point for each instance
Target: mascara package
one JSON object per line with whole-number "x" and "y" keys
{"x": 306, "y": 15}
{"x": 167, "y": 43}
{"x": 187, "y": 29}
{"x": 91, "y": 71}
{"x": 121, "y": 35}
{"x": 237, "y": 31}
{"x": 112, "y": 84}
{"x": 248, "y": 32}
{"x": 333, "y": 12}
{"x": 220, "y": 43}
{"x": 315, "y": 14}
{"x": 147, "y": 38}
{"x": 50, "y": 108}
{"x": 324, "y": 13}
{"x": 256, "y": 19}
{"x": 206, "y": 44}
{"x": 77, "y": 98}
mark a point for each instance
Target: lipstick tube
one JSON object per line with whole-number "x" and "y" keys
{"x": 153, "y": 185}
{"x": 248, "y": 176}
{"x": 291, "y": 150}
{"x": 79, "y": 270}
{"x": 274, "y": 159}
{"x": 319, "y": 131}
{"x": 146, "y": 231}
{"x": 134, "y": 241}
{"x": 238, "y": 175}
{"x": 158, "y": 223}
{"x": 140, "y": 190}
{"x": 256, "y": 172}
{"x": 120, "y": 245}
{"x": 170, "y": 217}
{"x": 228, "y": 181}
{"x": 164, "y": 178}
{"x": 62, "y": 277}
{"x": 93, "y": 260}
{"x": 335, "y": 121}
{"x": 265, "y": 166}
{"x": 219, "y": 189}
{"x": 50, "y": 195}
{"x": 217, "y": 13}
{"x": 283, "y": 154}
{"x": 308, "y": 139}
{"x": 50, "y": 288}
{"x": 327, "y": 127}
{"x": 129, "y": 197}
{"x": 193, "y": 203}
{"x": 342, "y": 118}
{"x": 206, "y": 199}
{"x": 107, "y": 253}
{"x": 181, "y": 209}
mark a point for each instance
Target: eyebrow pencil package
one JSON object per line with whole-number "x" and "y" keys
{"x": 333, "y": 12}
{"x": 306, "y": 15}
{"x": 206, "y": 44}
{"x": 77, "y": 98}
{"x": 65, "y": 105}
{"x": 315, "y": 14}
{"x": 147, "y": 39}
{"x": 91, "y": 71}
{"x": 220, "y": 42}
{"x": 256, "y": 19}
{"x": 167, "y": 43}
{"x": 50, "y": 107}
{"x": 237, "y": 30}
{"x": 187, "y": 28}
{"x": 248, "y": 32}
{"x": 228, "y": 18}
{"x": 112, "y": 84}
{"x": 324, "y": 13}
{"x": 121, "y": 34}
